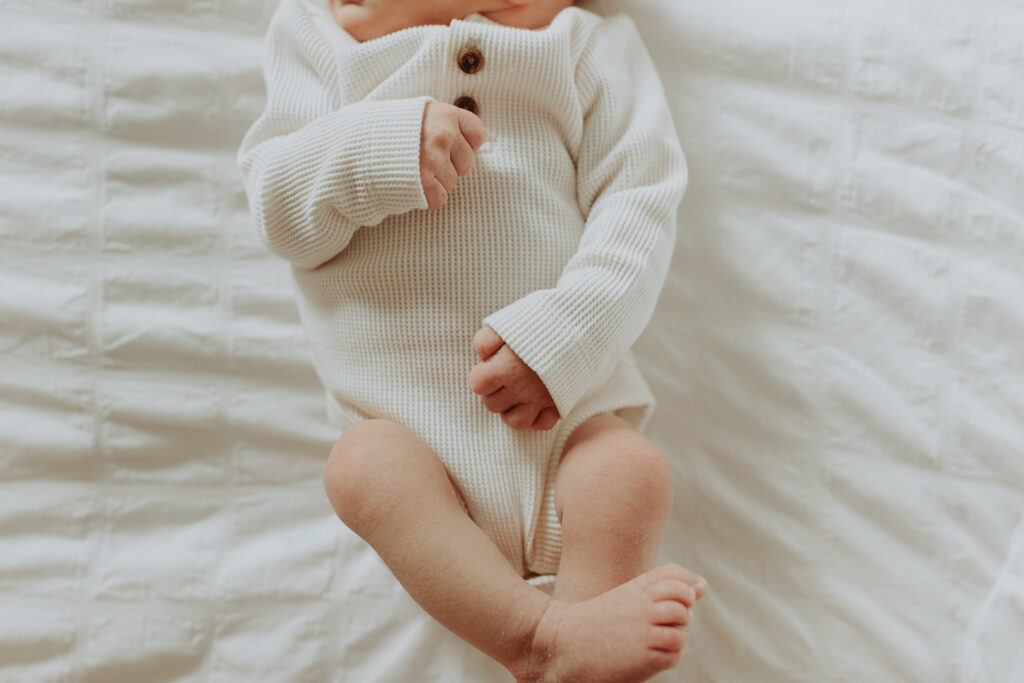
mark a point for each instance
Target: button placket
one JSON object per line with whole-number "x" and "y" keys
{"x": 470, "y": 60}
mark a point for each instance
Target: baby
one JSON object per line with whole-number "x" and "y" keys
{"x": 478, "y": 199}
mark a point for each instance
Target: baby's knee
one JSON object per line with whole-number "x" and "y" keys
{"x": 641, "y": 471}
{"x": 354, "y": 465}
{"x": 625, "y": 469}
{"x": 377, "y": 465}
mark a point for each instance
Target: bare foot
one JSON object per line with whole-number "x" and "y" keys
{"x": 625, "y": 635}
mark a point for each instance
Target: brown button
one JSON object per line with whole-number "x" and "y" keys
{"x": 471, "y": 60}
{"x": 468, "y": 103}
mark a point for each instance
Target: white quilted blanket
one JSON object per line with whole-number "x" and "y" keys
{"x": 839, "y": 356}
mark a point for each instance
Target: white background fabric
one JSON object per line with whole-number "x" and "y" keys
{"x": 837, "y": 356}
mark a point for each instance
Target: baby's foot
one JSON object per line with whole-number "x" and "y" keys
{"x": 628, "y": 634}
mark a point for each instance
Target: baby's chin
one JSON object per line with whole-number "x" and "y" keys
{"x": 364, "y": 22}
{"x": 537, "y": 15}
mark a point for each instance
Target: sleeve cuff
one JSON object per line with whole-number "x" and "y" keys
{"x": 387, "y": 172}
{"x": 548, "y": 345}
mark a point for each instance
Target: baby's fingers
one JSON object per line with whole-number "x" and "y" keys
{"x": 463, "y": 157}
{"x": 472, "y": 129}
{"x": 520, "y": 417}
{"x": 483, "y": 381}
{"x": 500, "y": 401}
{"x": 435, "y": 193}
{"x": 447, "y": 176}
{"x": 546, "y": 419}
{"x": 486, "y": 342}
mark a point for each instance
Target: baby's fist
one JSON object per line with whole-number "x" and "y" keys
{"x": 508, "y": 386}
{"x": 448, "y": 145}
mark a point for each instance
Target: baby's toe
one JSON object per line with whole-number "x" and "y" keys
{"x": 659, "y": 660}
{"x": 674, "y": 590}
{"x": 674, "y": 571}
{"x": 666, "y": 639}
{"x": 669, "y": 613}
{"x": 696, "y": 580}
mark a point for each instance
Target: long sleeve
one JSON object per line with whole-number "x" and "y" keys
{"x": 631, "y": 176}
{"x": 317, "y": 169}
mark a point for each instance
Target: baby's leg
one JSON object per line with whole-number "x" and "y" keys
{"x": 613, "y": 495}
{"x": 392, "y": 489}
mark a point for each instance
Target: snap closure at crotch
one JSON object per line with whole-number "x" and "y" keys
{"x": 470, "y": 60}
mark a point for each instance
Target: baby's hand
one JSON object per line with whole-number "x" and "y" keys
{"x": 508, "y": 385}
{"x": 448, "y": 145}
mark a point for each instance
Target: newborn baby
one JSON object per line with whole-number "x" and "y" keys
{"x": 478, "y": 198}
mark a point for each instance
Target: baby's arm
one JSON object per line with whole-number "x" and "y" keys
{"x": 317, "y": 169}
{"x": 631, "y": 177}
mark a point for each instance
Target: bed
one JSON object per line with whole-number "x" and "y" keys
{"x": 837, "y": 356}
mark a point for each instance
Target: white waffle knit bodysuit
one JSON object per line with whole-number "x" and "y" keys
{"x": 559, "y": 239}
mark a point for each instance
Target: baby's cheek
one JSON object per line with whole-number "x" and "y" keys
{"x": 358, "y": 21}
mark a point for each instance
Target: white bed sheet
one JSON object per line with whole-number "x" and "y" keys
{"x": 837, "y": 355}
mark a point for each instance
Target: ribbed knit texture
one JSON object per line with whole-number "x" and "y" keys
{"x": 559, "y": 239}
